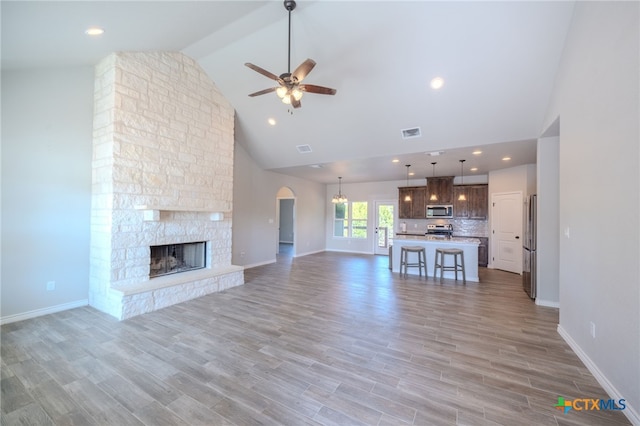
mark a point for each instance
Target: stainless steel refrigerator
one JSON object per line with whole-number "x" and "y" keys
{"x": 529, "y": 248}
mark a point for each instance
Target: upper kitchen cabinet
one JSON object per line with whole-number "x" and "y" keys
{"x": 440, "y": 190}
{"x": 416, "y": 208}
{"x": 477, "y": 204}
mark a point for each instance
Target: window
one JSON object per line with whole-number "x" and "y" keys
{"x": 350, "y": 220}
{"x": 341, "y": 222}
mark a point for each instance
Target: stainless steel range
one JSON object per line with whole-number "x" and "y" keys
{"x": 445, "y": 230}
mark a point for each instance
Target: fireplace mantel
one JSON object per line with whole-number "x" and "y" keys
{"x": 152, "y": 213}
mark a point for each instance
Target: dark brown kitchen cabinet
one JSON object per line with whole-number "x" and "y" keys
{"x": 440, "y": 188}
{"x": 476, "y": 205}
{"x": 416, "y": 208}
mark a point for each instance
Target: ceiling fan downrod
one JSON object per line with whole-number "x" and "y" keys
{"x": 289, "y": 5}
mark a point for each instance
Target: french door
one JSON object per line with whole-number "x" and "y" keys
{"x": 385, "y": 212}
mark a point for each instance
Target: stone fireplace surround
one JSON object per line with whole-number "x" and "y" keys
{"x": 162, "y": 174}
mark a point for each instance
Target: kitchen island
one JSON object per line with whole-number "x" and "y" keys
{"x": 431, "y": 243}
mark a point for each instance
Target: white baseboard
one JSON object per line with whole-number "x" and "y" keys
{"x": 308, "y": 253}
{"x": 253, "y": 265}
{"x": 44, "y": 311}
{"x": 547, "y": 303}
{"x": 609, "y": 388}
{"x": 351, "y": 251}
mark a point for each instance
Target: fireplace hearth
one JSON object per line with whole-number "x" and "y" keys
{"x": 176, "y": 258}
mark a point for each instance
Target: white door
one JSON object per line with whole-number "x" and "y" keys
{"x": 506, "y": 231}
{"x": 385, "y": 211}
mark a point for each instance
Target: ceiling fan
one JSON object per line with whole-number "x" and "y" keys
{"x": 290, "y": 89}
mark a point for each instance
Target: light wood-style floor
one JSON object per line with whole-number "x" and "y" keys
{"x": 330, "y": 338}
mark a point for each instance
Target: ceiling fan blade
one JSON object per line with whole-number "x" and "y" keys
{"x": 295, "y": 104}
{"x": 262, "y": 71}
{"x": 262, "y": 92}
{"x": 312, "y": 88}
{"x": 303, "y": 69}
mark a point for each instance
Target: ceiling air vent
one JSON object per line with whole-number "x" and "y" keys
{"x": 411, "y": 133}
{"x": 303, "y": 149}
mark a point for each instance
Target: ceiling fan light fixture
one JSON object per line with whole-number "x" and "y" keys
{"x": 297, "y": 94}
{"x": 281, "y": 92}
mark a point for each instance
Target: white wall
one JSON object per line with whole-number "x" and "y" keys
{"x": 519, "y": 178}
{"x": 548, "y": 247}
{"x": 46, "y": 189}
{"x": 597, "y": 100}
{"x": 255, "y": 226}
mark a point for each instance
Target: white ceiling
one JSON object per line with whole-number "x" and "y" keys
{"x": 498, "y": 60}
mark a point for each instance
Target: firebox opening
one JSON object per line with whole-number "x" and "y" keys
{"x": 174, "y": 258}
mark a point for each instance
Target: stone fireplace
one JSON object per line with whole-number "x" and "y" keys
{"x": 162, "y": 176}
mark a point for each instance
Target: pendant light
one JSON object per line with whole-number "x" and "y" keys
{"x": 462, "y": 196}
{"x": 433, "y": 196}
{"x": 339, "y": 198}
{"x": 407, "y": 197}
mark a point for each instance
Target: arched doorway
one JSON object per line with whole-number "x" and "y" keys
{"x": 286, "y": 220}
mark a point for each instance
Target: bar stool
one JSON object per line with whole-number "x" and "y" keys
{"x": 440, "y": 263}
{"x": 420, "y": 263}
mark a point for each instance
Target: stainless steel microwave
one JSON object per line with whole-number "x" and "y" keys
{"x": 440, "y": 211}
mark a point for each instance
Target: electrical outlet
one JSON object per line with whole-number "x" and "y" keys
{"x": 592, "y": 329}
{"x": 242, "y": 254}
{"x": 51, "y": 285}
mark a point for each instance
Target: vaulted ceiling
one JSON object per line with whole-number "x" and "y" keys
{"x": 498, "y": 61}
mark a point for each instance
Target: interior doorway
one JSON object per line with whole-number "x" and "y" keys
{"x": 506, "y": 231}
{"x": 285, "y": 217}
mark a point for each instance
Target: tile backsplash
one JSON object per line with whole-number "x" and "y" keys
{"x": 461, "y": 227}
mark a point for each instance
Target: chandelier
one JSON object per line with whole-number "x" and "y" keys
{"x": 339, "y": 198}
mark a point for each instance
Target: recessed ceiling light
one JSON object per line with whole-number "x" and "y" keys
{"x": 434, "y": 153}
{"x": 474, "y": 169}
{"x": 94, "y": 31}
{"x": 437, "y": 83}
{"x": 271, "y": 121}
{"x": 411, "y": 173}
{"x": 316, "y": 166}
{"x": 506, "y": 158}
{"x": 395, "y": 160}
{"x": 477, "y": 152}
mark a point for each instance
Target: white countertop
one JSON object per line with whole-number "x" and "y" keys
{"x": 438, "y": 238}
